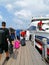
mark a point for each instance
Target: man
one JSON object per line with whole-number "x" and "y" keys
{"x": 4, "y": 44}
{"x": 23, "y": 33}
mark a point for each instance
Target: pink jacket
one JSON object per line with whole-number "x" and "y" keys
{"x": 17, "y": 44}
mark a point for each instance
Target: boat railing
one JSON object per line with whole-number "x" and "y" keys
{"x": 44, "y": 41}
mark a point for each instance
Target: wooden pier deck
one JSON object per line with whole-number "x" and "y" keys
{"x": 27, "y": 55}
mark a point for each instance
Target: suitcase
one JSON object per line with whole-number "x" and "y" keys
{"x": 23, "y": 42}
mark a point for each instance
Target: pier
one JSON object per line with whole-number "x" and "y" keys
{"x": 27, "y": 55}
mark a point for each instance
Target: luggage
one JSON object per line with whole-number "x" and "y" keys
{"x": 23, "y": 42}
{"x": 2, "y": 36}
{"x": 30, "y": 37}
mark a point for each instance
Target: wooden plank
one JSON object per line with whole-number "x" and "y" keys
{"x": 26, "y": 56}
{"x": 32, "y": 54}
{"x": 29, "y": 56}
{"x": 35, "y": 56}
{"x": 22, "y": 60}
{"x": 33, "y": 62}
{"x": 15, "y": 61}
{"x": 19, "y": 57}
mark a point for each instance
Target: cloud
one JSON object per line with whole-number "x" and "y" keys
{"x": 47, "y": 15}
{"x": 9, "y": 7}
{"x": 6, "y": 1}
{"x": 1, "y": 17}
{"x": 18, "y": 21}
{"x": 23, "y": 13}
{"x": 21, "y": 3}
{"x": 22, "y": 10}
{"x": 35, "y": 7}
{"x": 19, "y": 24}
{"x": 46, "y": 2}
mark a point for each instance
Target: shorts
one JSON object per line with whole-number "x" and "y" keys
{"x": 3, "y": 48}
{"x": 12, "y": 39}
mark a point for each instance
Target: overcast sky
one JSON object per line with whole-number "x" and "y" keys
{"x": 18, "y": 13}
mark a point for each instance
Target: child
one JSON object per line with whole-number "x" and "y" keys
{"x": 16, "y": 45}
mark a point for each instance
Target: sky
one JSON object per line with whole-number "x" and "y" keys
{"x": 18, "y": 13}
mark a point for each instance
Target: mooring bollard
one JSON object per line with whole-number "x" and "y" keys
{"x": 44, "y": 48}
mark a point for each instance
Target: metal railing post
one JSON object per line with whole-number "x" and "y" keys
{"x": 44, "y": 48}
{"x": 33, "y": 39}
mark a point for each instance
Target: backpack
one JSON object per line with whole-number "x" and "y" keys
{"x": 17, "y": 44}
{"x": 2, "y": 36}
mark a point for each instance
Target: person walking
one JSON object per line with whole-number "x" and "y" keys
{"x": 16, "y": 46}
{"x": 4, "y": 43}
{"x": 23, "y": 34}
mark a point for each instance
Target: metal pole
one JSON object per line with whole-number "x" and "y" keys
{"x": 33, "y": 39}
{"x": 44, "y": 49}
